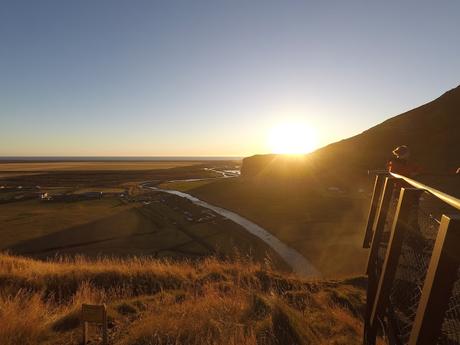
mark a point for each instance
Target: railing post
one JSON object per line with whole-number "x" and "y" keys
{"x": 408, "y": 198}
{"x": 378, "y": 227}
{"x": 439, "y": 281}
{"x": 380, "y": 220}
{"x": 378, "y": 185}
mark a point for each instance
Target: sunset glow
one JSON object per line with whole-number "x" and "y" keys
{"x": 291, "y": 138}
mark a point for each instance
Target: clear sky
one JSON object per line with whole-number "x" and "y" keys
{"x": 179, "y": 78}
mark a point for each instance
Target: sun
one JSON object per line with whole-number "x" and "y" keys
{"x": 291, "y": 138}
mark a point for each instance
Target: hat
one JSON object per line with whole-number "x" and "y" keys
{"x": 402, "y": 152}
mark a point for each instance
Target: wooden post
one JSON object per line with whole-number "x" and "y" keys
{"x": 105, "y": 340}
{"x": 378, "y": 185}
{"x": 379, "y": 223}
{"x": 85, "y": 332}
{"x": 439, "y": 281}
{"x": 96, "y": 314}
{"x": 408, "y": 197}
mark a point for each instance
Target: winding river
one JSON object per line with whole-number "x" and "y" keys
{"x": 299, "y": 264}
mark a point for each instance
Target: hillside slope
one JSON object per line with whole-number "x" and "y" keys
{"x": 158, "y": 302}
{"x": 431, "y": 131}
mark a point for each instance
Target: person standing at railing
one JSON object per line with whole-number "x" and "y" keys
{"x": 401, "y": 163}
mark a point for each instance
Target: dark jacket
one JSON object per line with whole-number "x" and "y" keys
{"x": 403, "y": 167}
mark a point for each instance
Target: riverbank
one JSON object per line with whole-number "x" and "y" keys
{"x": 324, "y": 226}
{"x": 295, "y": 260}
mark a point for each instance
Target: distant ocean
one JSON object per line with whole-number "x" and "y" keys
{"x": 113, "y": 158}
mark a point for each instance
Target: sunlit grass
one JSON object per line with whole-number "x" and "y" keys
{"x": 161, "y": 302}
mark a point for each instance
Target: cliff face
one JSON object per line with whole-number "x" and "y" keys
{"x": 431, "y": 131}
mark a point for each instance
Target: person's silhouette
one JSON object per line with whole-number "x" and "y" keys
{"x": 401, "y": 164}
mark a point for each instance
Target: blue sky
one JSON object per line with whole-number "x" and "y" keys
{"x": 212, "y": 77}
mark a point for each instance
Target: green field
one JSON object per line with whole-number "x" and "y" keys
{"x": 325, "y": 227}
{"x": 90, "y": 166}
{"x": 137, "y": 223}
{"x": 167, "y": 226}
{"x": 28, "y": 220}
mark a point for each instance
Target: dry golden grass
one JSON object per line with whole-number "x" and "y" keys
{"x": 160, "y": 302}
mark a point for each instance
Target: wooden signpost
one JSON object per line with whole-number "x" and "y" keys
{"x": 94, "y": 313}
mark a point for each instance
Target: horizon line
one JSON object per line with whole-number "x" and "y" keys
{"x": 114, "y": 158}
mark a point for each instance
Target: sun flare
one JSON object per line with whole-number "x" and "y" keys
{"x": 291, "y": 138}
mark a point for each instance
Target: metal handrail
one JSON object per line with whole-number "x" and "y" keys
{"x": 448, "y": 199}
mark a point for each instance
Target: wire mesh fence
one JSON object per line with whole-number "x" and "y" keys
{"x": 450, "y": 330}
{"x": 409, "y": 261}
{"x": 417, "y": 246}
{"x": 383, "y": 245}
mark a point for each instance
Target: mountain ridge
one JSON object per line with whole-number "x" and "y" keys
{"x": 430, "y": 130}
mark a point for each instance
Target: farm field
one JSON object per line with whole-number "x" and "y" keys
{"x": 164, "y": 227}
{"x": 102, "y": 174}
{"x": 90, "y": 166}
{"x": 325, "y": 227}
{"x": 125, "y": 221}
{"x": 32, "y": 219}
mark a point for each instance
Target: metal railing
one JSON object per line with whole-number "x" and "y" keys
{"x": 413, "y": 295}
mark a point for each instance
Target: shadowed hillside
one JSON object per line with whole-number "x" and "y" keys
{"x": 431, "y": 131}
{"x": 159, "y": 302}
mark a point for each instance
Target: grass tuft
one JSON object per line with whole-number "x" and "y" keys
{"x": 163, "y": 302}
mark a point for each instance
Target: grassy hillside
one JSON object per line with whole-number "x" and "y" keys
{"x": 160, "y": 302}
{"x": 431, "y": 131}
